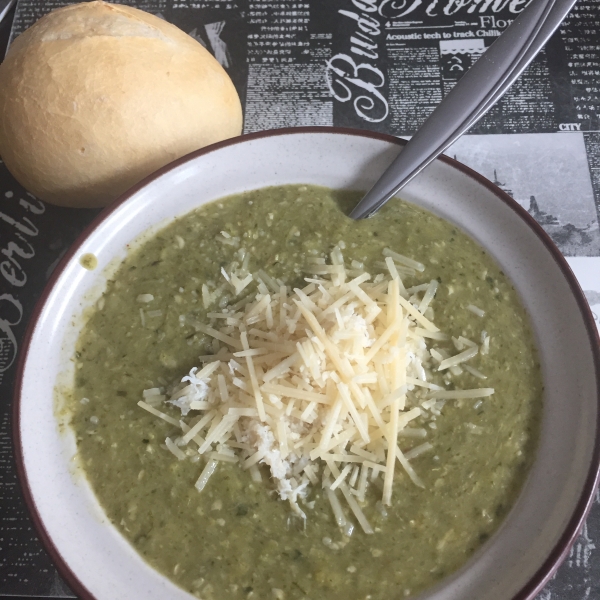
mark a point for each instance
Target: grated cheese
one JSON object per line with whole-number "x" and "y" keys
{"x": 328, "y": 381}
{"x": 476, "y": 310}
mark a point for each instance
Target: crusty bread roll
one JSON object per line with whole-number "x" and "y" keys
{"x": 96, "y": 96}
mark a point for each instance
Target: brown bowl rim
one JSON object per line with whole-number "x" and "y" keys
{"x": 561, "y": 549}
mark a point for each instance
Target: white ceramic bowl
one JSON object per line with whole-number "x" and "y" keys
{"x": 93, "y": 557}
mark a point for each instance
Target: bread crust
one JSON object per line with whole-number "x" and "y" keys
{"x": 96, "y": 96}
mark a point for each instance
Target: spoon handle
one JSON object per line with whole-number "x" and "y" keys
{"x": 5, "y": 6}
{"x": 474, "y": 94}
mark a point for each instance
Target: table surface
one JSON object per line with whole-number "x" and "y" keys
{"x": 552, "y": 111}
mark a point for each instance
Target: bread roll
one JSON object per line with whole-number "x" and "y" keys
{"x": 96, "y": 96}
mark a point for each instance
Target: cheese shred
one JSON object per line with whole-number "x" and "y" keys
{"x": 319, "y": 384}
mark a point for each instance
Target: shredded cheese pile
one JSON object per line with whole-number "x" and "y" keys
{"x": 319, "y": 383}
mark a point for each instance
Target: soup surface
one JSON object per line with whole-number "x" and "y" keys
{"x": 236, "y": 539}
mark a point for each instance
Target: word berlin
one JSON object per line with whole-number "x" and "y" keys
{"x": 17, "y": 250}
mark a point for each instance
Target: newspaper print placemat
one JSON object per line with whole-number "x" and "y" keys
{"x": 381, "y": 65}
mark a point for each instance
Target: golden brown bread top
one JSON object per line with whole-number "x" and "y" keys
{"x": 95, "y": 96}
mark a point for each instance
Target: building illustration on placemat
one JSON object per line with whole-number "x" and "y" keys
{"x": 568, "y": 237}
{"x": 560, "y": 197}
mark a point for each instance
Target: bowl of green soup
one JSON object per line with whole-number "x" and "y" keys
{"x": 229, "y": 389}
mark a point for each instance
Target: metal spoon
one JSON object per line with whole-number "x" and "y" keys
{"x": 5, "y": 6}
{"x": 474, "y": 94}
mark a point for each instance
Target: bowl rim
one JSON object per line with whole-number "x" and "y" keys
{"x": 573, "y": 527}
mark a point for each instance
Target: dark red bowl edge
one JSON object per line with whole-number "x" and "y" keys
{"x": 566, "y": 541}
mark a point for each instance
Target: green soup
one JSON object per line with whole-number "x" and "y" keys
{"x": 236, "y": 539}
